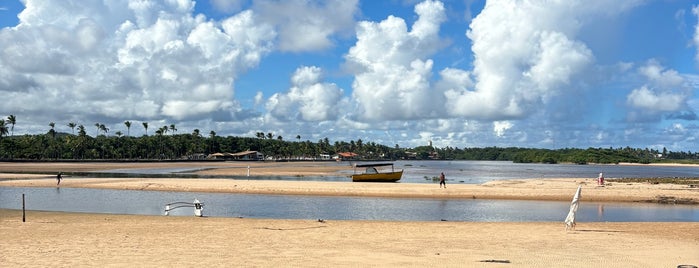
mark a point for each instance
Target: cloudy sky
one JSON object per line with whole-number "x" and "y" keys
{"x": 461, "y": 73}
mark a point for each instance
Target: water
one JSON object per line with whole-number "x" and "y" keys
{"x": 476, "y": 172}
{"x": 459, "y": 172}
{"x": 335, "y": 208}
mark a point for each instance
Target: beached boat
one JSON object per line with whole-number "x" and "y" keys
{"x": 371, "y": 174}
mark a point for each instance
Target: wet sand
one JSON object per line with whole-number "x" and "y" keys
{"x": 74, "y": 239}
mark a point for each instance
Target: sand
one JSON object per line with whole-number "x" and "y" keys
{"x": 74, "y": 239}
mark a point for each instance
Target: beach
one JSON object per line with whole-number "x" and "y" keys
{"x": 60, "y": 239}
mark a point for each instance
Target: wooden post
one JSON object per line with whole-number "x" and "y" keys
{"x": 23, "y": 214}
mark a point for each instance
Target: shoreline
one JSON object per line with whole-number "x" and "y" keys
{"x": 53, "y": 239}
{"x": 524, "y": 189}
{"x": 67, "y": 239}
{"x": 562, "y": 189}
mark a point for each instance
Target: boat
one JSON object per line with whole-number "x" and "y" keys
{"x": 371, "y": 174}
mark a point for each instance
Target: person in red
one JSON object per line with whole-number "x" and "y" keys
{"x": 442, "y": 180}
{"x": 600, "y": 179}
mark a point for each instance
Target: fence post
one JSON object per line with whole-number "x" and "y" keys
{"x": 23, "y": 214}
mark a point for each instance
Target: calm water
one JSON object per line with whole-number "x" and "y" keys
{"x": 483, "y": 171}
{"x": 364, "y": 208}
{"x": 468, "y": 172}
{"x": 334, "y": 208}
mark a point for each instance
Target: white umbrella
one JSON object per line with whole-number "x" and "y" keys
{"x": 570, "y": 219}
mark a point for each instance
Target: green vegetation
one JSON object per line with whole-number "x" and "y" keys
{"x": 162, "y": 145}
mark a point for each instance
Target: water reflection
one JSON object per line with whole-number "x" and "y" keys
{"x": 339, "y": 208}
{"x": 467, "y": 172}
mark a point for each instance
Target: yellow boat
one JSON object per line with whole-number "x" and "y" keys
{"x": 372, "y": 175}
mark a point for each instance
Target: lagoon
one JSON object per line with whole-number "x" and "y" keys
{"x": 336, "y": 208}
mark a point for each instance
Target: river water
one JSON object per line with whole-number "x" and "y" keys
{"x": 370, "y": 208}
{"x": 337, "y": 208}
{"x": 466, "y": 172}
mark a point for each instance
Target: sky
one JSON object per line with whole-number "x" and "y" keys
{"x": 454, "y": 73}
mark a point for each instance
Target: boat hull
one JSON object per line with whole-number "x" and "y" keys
{"x": 378, "y": 177}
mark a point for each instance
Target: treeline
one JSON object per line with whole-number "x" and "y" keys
{"x": 58, "y": 146}
{"x": 566, "y": 155}
{"x": 65, "y": 146}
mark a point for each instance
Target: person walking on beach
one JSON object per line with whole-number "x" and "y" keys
{"x": 600, "y": 179}
{"x": 442, "y": 180}
{"x": 58, "y": 178}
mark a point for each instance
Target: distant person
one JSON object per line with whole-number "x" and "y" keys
{"x": 59, "y": 176}
{"x": 442, "y": 180}
{"x": 600, "y": 179}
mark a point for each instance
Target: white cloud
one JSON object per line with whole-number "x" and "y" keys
{"x": 660, "y": 77}
{"x": 663, "y": 91}
{"x": 128, "y": 60}
{"x": 392, "y": 72}
{"x": 525, "y": 53}
{"x": 499, "y": 127}
{"x": 308, "y": 99}
{"x": 649, "y": 100}
{"x": 305, "y": 25}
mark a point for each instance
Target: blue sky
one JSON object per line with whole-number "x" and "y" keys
{"x": 462, "y": 73}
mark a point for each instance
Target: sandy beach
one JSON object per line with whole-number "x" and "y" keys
{"x": 74, "y": 239}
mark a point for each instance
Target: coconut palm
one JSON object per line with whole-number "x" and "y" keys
{"x": 72, "y": 126}
{"x": 128, "y": 127}
{"x": 11, "y": 119}
{"x": 103, "y": 128}
{"x": 81, "y": 131}
{"x": 3, "y": 128}
{"x": 145, "y": 125}
{"x": 52, "y": 131}
{"x": 172, "y": 129}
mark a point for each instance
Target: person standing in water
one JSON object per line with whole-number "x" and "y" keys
{"x": 442, "y": 180}
{"x": 58, "y": 178}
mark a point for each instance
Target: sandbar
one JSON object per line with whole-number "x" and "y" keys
{"x": 60, "y": 239}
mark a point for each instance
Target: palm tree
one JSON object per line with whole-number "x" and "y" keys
{"x": 173, "y": 129}
{"x": 298, "y": 137}
{"x": 118, "y": 133}
{"x": 145, "y": 125}
{"x": 97, "y": 125}
{"x": 196, "y": 132}
{"x": 104, "y": 129}
{"x": 72, "y": 126}
{"x": 128, "y": 127}
{"x": 52, "y": 131}
{"x": 3, "y": 128}
{"x": 212, "y": 134}
{"x": 81, "y": 131}
{"x": 12, "y": 120}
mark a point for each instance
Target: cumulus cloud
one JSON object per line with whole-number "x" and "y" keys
{"x": 305, "y": 25}
{"x": 499, "y": 127}
{"x": 664, "y": 91}
{"x": 644, "y": 98}
{"x": 391, "y": 65}
{"x": 525, "y": 53}
{"x": 309, "y": 99}
{"x": 128, "y": 59}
